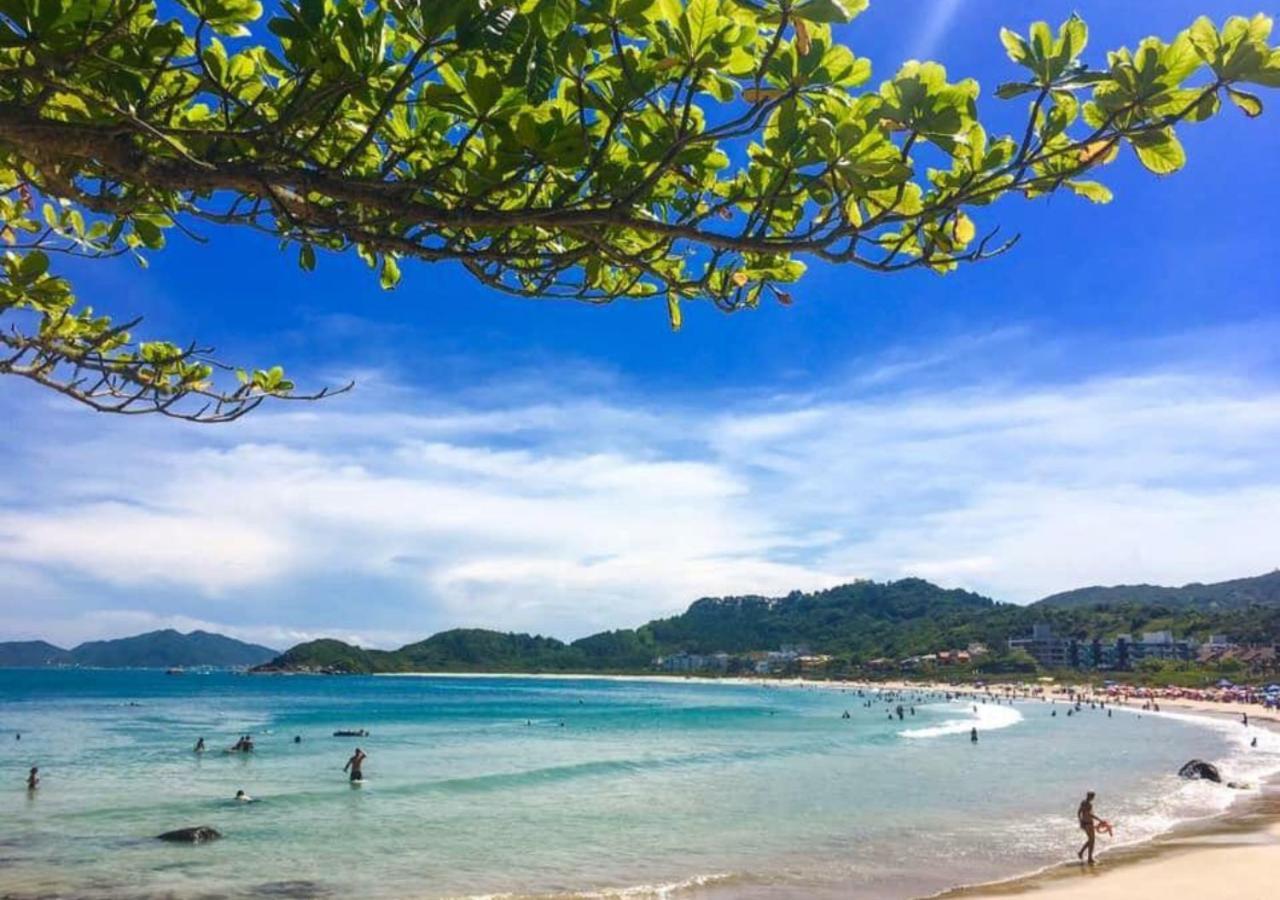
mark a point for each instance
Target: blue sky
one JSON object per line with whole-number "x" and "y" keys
{"x": 1101, "y": 405}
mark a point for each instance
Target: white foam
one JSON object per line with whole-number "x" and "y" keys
{"x": 989, "y": 717}
{"x": 632, "y": 892}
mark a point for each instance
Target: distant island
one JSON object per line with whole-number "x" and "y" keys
{"x": 155, "y": 650}
{"x": 869, "y": 626}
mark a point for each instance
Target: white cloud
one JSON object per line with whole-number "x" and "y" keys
{"x": 568, "y": 511}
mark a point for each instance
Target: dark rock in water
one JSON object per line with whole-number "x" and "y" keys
{"x": 196, "y": 835}
{"x": 1198, "y": 768}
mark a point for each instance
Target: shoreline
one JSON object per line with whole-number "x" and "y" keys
{"x": 1243, "y": 839}
{"x": 1181, "y": 861}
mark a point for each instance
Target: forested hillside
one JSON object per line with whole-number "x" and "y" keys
{"x": 853, "y": 622}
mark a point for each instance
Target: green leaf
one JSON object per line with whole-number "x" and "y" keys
{"x": 34, "y": 264}
{"x": 830, "y": 11}
{"x": 555, "y": 16}
{"x": 1091, "y": 190}
{"x": 1015, "y": 46}
{"x": 701, "y": 16}
{"x": 390, "y": 275}
{"x": 150, "y": 233}
{"x": 1011, "y": 89}
{"x": 1249, "y": 104}
{"x": 1073, "y": 36}
{"x": 673, "y": 312}
{"x": 1160, "y": 151}
{"x": 307, "y": 257}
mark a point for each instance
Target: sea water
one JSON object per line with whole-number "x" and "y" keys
{"x": 568, "y": 787}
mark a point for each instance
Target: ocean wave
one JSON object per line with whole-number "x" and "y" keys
{"x": 989, "y": 717}
{"x": 662, "y": 891}
{"x": 1244, "y": 764}
{"x": 492, "y": 781}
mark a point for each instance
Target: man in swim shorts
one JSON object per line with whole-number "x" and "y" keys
{"x": 355, "y": 764}
{"x": 1088, "y": 824}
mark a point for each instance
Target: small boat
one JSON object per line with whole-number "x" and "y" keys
{"x": 175, "y": 671}
{"x": 347, "y": 732}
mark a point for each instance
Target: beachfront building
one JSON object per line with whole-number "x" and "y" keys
{"x": 1162, "y": 645}
{"x": 693, "y": 662}
{"x": 1048, "y": 649}
{"x": 1053, "y": 651}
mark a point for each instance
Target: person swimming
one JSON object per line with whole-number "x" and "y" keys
{"x": 297, "y": 739}
{"x": 242, "y": 797}
{"x": 355, "y": 764}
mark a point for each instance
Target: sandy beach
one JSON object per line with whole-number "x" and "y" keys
{"x": 1231, "y": 866}
{"x": 1237, "y": 857}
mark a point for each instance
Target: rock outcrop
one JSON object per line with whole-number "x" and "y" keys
{"x": 197, "y": 835}
{"x": 1198, "y": 768}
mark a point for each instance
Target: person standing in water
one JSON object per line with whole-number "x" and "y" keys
{"x": 1088, "y": 824}
{"x": 973, "y": 735}
{"x": 355, "y": 765}
{"x": 33, "y": 779}
{"x": 199, "y": 745}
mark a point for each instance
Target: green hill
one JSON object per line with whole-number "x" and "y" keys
{"x": 27, "y": 654}
{"x": 859, "y": 619}
{"x": 853, "y": 622}
{"x": 169, "y": 648}
{"x": 1239, "y": 593}
{"x": 154, "y": 650}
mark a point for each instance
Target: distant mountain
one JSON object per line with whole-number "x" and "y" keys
{"x": 863, "y": 617}
{"x": 156, "y": 649}
{"x": 460, "y": 650}
{"x": 27, "y": 654}
{"x": 1240, "y": 593}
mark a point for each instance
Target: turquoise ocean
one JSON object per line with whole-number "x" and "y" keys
{"x": 533, "y": 787}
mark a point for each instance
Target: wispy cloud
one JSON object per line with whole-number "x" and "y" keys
{"x": 937, "y": 24}
{"x": 565, "y": 511}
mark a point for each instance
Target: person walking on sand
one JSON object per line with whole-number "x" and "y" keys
{"x": 1088, "y": 824}
{"x": 355, "y": 764}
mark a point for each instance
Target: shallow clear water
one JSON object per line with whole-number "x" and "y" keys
{"x": 473, "y": 787}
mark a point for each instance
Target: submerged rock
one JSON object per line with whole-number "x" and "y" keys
{"x": 1198, "y": 768}
{"x": 197, "y": 835}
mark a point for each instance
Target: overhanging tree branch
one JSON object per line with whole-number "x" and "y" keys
{"x": 585, "y": 149}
